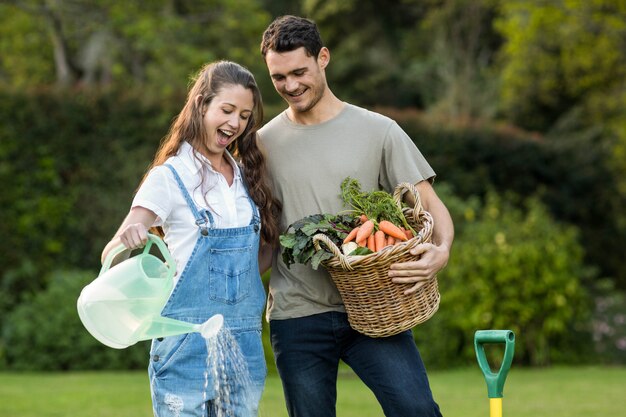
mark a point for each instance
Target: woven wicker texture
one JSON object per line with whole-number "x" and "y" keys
{"x": 376, "y": 306}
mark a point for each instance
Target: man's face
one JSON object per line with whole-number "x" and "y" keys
{"x": 297, "y": 77}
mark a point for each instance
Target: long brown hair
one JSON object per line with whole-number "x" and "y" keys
{"x": 188, "y": 126}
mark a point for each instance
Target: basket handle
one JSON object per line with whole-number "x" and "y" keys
{"x": 322, "y": 238}
{"x": 410, "y": 188}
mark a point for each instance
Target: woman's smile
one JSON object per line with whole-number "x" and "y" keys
{"x": 224, "y": 137}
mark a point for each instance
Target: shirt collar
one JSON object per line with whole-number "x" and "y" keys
{"x": 188, "y": 156}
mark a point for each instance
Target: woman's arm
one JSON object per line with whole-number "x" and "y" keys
{"x": 133, "y": 232}
{"x": 265, "y": 257}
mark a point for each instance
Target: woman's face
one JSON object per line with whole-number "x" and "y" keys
{"x": 226, "y": 117}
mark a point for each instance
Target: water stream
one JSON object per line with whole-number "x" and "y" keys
{"x": 227, "y": 384}
{"x": 227, "y": 369}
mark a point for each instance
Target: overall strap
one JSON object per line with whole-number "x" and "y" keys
{"x": 256, "y": 217}
{"x": 202, "y": 217}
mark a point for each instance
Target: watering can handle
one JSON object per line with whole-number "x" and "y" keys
{"x": 495, "y": 381}
{"x": 106, "y": 265}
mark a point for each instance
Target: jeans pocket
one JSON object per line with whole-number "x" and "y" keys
{"x": 229, "y": 274}
{"x": 163, "y": 351}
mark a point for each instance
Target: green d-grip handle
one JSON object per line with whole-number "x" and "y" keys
{"x": 495, "y": 381}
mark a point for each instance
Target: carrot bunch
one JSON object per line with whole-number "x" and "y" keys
{"x": 382, "y": 222}
{"x": 377, "y": 235}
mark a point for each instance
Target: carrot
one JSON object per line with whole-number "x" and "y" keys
{"x": 409, "y": 234}
{"x": 363, "y": 218}
{"x": 351, "y": 235}
{"x": 371, "y": 243}
{"x": 391, "y": 240}
{"x": 392, "y": 230}
{"x": 380, "y": 240}
{"x": 362, "y": 243}
{"x": 365, "y": 230}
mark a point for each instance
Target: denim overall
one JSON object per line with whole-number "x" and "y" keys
{"x": 221, "y": 276}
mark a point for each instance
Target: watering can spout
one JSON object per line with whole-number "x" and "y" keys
{"x": 164, "y": 326}
{"x": 211, "y": 327}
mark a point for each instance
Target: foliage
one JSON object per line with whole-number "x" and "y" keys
{"x": 409, "y": 53}
{"x": 563, "y": 68}
{"x": 559, "y": 55}
{"x": 127, "y": 43}
{"x": 27, "y": 58}
{"x": 368, "y": 68}
{"x": 609, "y": 323}
{"x": 572, "y": 175}
{"x": 512, "y": 267}
{"x": 45, "y": 333}
{"x": 452, "y": 65}
{"x": 376, "y": 205}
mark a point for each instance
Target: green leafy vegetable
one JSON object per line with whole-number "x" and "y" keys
{"x": 377, "y": 205}
{"x": 297, "y": 242}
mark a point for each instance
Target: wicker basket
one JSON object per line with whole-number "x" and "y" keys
{"x": 376, "y": 306}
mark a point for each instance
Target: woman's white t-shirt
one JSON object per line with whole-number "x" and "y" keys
{"x": 160, "y": 193}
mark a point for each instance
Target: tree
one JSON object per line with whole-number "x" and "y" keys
{"x": 434, "y": 54}
{"x": 562, "y": 56}
{"x": 365, "y": 37}
{"x": 131, "y": 42}
{"x": 454, "y": 70}
{"x": 25, "y": 55}
{"x": 564, "y": 72}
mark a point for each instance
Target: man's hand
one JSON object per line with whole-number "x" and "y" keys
{"x": 430, "y": 260}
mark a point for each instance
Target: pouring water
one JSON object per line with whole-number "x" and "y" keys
{"x": 210, "y": 328}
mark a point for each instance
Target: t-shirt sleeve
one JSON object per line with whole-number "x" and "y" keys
{"x": 402, "y": 161}
{"x": 154, "y": 194}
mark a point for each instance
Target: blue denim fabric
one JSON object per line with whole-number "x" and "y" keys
{"x": 221, "y": 276}
{"x": 308, "y": 350}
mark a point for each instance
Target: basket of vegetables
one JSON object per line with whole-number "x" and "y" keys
{"x": 357, "y": 250}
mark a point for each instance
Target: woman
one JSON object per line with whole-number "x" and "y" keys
{"x": 211, "y": 211}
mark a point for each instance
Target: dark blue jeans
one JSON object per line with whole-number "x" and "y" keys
{"x": 308, "y": 350}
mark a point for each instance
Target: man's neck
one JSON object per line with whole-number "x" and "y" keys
{"x": 325, "y": 109}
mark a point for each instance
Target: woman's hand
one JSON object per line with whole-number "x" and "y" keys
{"x": 134, "y": 236}
{"x": 133, "y": 233}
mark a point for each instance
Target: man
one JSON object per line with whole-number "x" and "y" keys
{"x": 311, "y": 147}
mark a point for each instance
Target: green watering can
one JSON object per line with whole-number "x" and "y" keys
{"x": 122, "y": 306}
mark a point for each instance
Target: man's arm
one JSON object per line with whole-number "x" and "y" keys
{"x": 432, "y": 257}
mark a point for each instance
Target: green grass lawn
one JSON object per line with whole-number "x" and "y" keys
{"x": 559, "y": 391}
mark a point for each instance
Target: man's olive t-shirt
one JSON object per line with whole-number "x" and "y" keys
{"x": 307, "y": 164}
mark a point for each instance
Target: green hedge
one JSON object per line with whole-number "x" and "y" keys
{"x": 571, "y": 175}
{"x": 69, "y": 164}
{"x": 45, "y": 332}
